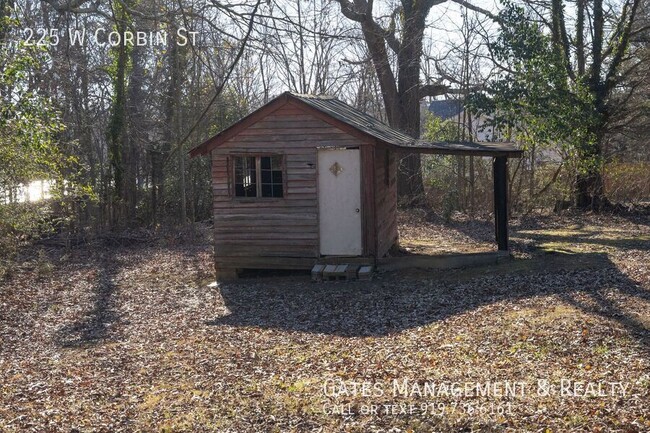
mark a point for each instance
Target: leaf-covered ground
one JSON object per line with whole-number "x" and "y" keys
{"x": 111, "y": 339}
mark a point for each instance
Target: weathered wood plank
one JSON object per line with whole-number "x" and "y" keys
{"x": 288, "y": 228}
{"x": 246, "y": 250}
{"x": 306, "y": 142}
{"x": 239, "y": 215}
{"x": 256, "y": 262}
{"x": 263, "y": 148}
{"x": 304, "y": 124}
{"x": 293, "y": 189}
{"x": 227, "y": 202}
{"x": 305, "y": 136}
{"x": 267, "y": 237}
{"x": 271, "y": 213}
{"x": 295, "y": 131}
{"x": 386, "y": 201}
{"x": 266, "y": 244}
{"x": 368, "y": 200}
{"x": 264, "y": 225}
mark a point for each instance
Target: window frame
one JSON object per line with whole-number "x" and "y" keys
{"x": 258, "y": 174}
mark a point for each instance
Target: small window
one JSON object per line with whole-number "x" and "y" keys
{"x": 258, "y": 176}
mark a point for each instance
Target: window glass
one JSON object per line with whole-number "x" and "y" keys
{"x": 245, "y": 177}
{"x": 271, "y": 176}
{"x": 267, "y": 170}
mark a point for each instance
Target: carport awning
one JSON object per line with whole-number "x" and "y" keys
{"x": 499, "y": 151}
{"x": 403, "y": 142}
{"x": 466, "y": 148}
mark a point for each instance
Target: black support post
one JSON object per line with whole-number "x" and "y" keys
{"x": 500, "y": 175}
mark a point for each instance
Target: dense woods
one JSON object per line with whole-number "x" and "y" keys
{"x": 101, "y": 101}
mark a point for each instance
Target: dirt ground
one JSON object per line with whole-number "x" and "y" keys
{"x": 133, "y": 338}
{"x": 422, "y": 232}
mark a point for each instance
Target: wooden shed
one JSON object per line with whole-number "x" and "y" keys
{"x": 305, "y": 179}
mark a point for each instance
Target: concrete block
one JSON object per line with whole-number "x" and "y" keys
{"x": 365, "y": 273}
{"x": 317, "y": 272}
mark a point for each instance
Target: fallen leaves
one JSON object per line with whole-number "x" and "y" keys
{"x": 133, "y": 339}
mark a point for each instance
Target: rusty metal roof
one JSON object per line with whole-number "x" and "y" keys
{"x": 356, "y": 118}
{"x": 376, "y": 128}
{"x": 367, "y": 125}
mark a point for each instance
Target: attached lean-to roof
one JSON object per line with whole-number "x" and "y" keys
{"x": 469, "y": 148}
{"x": 340, "y": 112}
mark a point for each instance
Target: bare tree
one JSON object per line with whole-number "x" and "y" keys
{"x": 400, "y": 33}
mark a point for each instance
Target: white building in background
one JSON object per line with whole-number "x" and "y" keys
{"x": 453, "y": 110}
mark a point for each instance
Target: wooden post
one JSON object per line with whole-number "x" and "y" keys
{"x": 500, "y": 176}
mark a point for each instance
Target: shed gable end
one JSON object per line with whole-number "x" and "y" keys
{"x": 288, "y": 127}
{"x": 278, "y": 227}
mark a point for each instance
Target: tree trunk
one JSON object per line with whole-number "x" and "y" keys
{"x": 590, "y": 191}
{"x": 402, "y": 95}
{"x": 169, "y": 130}
{"x": 156, "y": 182}
{"x": 136, "y": 130}
{"x": 408, "y": 103}
{"x": 117, "y": 134}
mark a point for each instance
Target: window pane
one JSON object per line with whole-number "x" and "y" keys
{"x": 246, "y": 180}
{"x": 271, "y": 172}
{"x": 245, "y": 177}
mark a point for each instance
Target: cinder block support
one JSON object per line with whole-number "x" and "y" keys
{"x": 365, "y": 273}
{"x": 500, "y": 176}
{"x": 317, "y": 272}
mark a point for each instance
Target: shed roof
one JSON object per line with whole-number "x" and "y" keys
{"x": 356, "y": 118}
{"x": 339, "y": 112}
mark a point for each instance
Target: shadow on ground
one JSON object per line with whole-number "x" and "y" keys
{"x": 397, "y": 302}
{"x": 93, "y": 327}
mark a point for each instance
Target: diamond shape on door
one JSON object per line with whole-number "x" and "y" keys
{"x": 336, "y": 169}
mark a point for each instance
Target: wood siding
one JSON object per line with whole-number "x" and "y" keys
{"x": 385, "y": 181}
{"x": 273, "y": 227}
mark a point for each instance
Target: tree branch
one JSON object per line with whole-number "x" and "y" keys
{"x": 623, "y": 42}
{"x": 478, "y": 9}
{"x": 432, "y": 90}
{"x": 349, "y": 10}
{"x": 560, "y": 36}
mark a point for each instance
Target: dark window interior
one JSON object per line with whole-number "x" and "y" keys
{"x": 266, "y": 169}
{"x": 271, "y": 173}
{"x": 245, "y": 177}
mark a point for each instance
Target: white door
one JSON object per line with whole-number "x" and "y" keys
{"x": 339, "y": 201}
